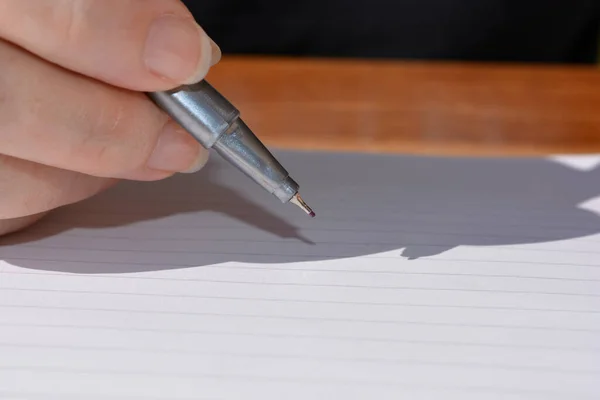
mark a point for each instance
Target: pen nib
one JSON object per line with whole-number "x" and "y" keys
{"x": 297, "y": 200}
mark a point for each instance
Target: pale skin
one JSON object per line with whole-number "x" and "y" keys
{"x": 73, "y": 120}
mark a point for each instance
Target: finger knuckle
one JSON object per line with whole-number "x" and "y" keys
{"x": 117, "y": 142}
{"x": 70, "y": 20}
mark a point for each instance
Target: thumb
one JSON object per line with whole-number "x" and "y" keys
{"x": 148, "y": 45}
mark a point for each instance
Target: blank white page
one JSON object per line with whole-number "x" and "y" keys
{"x": 420, "y": 278}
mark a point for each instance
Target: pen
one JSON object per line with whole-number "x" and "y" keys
{"x": 210, "y": 118}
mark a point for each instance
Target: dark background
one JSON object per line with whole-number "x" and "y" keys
{"x": 553, "y": 31}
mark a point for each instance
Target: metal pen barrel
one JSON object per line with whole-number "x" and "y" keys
{"x": 215, "y": 123}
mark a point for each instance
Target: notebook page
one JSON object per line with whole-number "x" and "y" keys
{"x": 420, "y": 278}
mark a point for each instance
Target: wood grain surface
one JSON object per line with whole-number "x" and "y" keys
{"x": 415, "y": 107}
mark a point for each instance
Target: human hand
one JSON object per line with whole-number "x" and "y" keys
{"x": 72, "y": 118}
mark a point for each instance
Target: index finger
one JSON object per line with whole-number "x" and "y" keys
{"x": 143, "y": 45}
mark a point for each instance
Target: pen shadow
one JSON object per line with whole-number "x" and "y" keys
{"x": 415, "y": 206}
{"x": 135, "y": 202}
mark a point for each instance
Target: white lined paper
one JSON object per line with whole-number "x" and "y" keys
{"x": 188, "y": 289}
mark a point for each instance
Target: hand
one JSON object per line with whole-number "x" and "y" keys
{"x": 72, "y": 118}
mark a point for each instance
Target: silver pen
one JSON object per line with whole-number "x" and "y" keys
{"x": 216, "y": 124}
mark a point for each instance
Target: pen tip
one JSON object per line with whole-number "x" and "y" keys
{"x": 297, "y": 200}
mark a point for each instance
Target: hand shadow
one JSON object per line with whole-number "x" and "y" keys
{"x": 418, "y": 206}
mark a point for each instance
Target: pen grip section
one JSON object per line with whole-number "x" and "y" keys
{"x": 200, "y": 109}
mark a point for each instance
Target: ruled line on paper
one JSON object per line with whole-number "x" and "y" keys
{"x": 167, "y": 238}
{"x": 373, "y": 360}
{"x": 303, "y": 269}
{"x": 333, "y": 302}
{"x": 366, "y": 245}
{"x": 249, "y": 377}
{"x": 83, "y": 232}
{"x": 308, "y": 301}
{"x": 413, "y": 388}
{"x": 314, "y": 258}
{"x": 308, "y": 337}
{"x": 415, "y": 212}
{"x": 66, "y": 396}
{"x": 337, "y": 229}
{"x": 297, "y": 318}
{"x": 297, "y": 284}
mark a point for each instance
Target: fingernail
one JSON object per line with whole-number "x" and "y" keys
{"x": 178, "y": 49}
{"x": 177, "y": 151}
{"x": 216, "y": 53}
{"x": 199, "y": 162}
